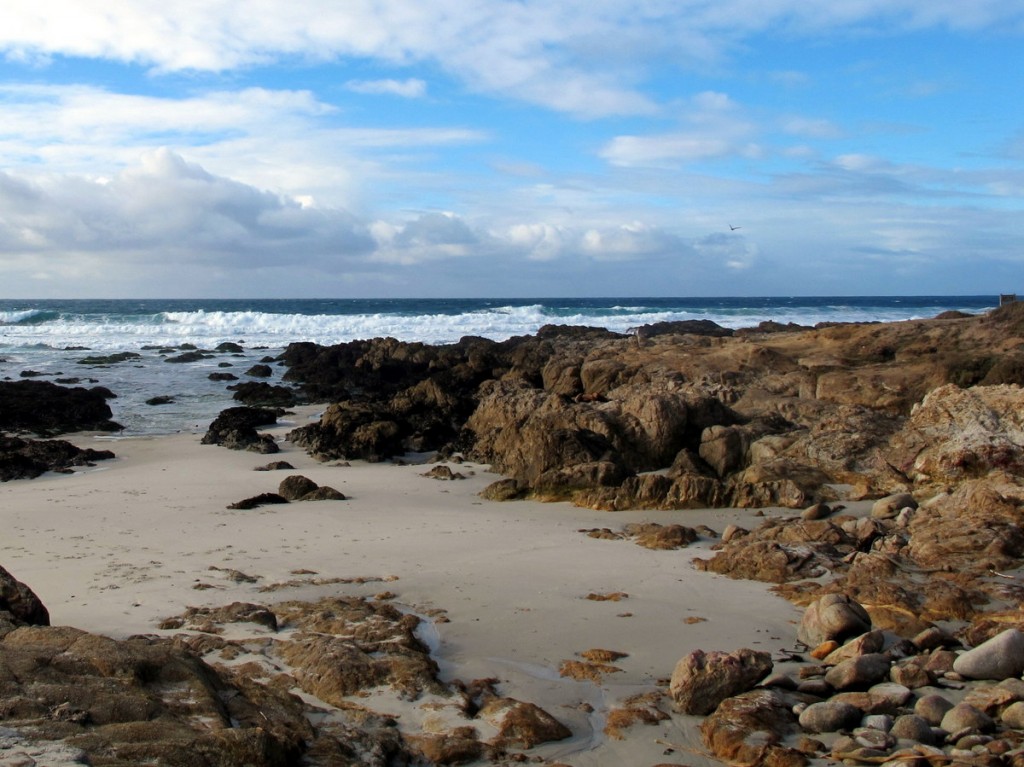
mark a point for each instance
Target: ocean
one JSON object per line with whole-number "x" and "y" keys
{"x": 50, "y": 338}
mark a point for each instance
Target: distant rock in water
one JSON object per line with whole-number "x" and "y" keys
{"x": 680, "y": 327}
{"x": 260, "y": 371}
{"x": 42, "y": 407}
{"x": 260, "y": 393}
{"x": 109, "y": 359}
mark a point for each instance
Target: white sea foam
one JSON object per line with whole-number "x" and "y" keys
{"x": 255, "y": 328}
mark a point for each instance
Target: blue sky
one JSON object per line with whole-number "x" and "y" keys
{"x": 264, "y": 148}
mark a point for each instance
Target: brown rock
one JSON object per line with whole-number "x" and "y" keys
{"x": 749, "y": 729}
{"x": 294, "y": 487}
{"x": 521, "y": 724}
{"x": 702, "y": 680}
{"x": 861, "y": 671}
{"x": 833, "y": 616}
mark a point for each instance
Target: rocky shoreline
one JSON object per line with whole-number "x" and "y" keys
{"x": 898, "y": 448}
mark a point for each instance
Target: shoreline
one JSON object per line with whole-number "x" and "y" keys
{"x": 117, "y": 548}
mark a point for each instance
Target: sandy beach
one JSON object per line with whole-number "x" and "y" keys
{"x": 502, "y": 587}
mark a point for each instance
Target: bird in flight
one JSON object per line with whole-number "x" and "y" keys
{"x": 734, "y": 228}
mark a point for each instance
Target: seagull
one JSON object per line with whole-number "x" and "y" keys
{"x": 734, "y": 228}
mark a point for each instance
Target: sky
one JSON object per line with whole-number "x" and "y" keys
{"x": 510, "y": 148}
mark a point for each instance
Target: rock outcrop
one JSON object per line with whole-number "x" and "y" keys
{"x": 27, "y": 459}
{"x": 683, "y": 415}
{"x": 236, "y": 429}
{"x": 44, "y": 408}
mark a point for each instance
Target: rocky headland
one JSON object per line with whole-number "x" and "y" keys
{"x": 891, "y": 458}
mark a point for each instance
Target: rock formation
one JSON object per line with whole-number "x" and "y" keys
{"x": 770, "y": 416}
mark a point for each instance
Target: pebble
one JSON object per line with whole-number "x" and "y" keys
{"x": 964, "y": 716}
{"x": 859, "y": 672}
{"x": 829, "y": 716}
{"x": 913, "y": 727}
{"x": 881, "y": 722}
{"x": 1013, "y": 716}
{"x": 932, "y": 708}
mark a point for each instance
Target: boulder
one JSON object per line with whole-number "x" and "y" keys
{"x": 700, "y": 681}
{"x": 292, "y": 488}
{"x": 999, "y": 658}
{"x": 859, "y": 672}
{"x": 889, "y": 506}
{"x": 750, "y": 728}
{"x": 833, "y": 616}
{"x": 235, "y": 429}
{"x": 957, "y": 434}
{"x": 964, "y": 716}
{"x": 27, "y": 459}
{"x": 521, "y": 724}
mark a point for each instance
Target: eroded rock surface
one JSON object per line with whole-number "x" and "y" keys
{"x": 684, "y": 418}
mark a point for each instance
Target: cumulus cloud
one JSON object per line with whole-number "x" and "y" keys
{"x": 167, "y": 207}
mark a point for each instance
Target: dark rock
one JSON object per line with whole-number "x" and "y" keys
{"x": 262, "y": 394}
{"x": 189, "y": 356}
{"x": 27, "y": 459}
{"x": 110, "y": 359}
{"x": 222, "y": 377}
{"x": 275, "y": 466}
{"x": 235, "y": 428}
{"x": 684, "y": 327}
{"x": 260, "y": 371}
{"x": 324, "y": 493}
{"x": 263, "y": 499}
{"x": 46, "y": 408}
{"x": 20, "y": 602}
{"x": 161, "y": 400}
{"x": 294, "y": 487}
{"x": 229, "y": 347}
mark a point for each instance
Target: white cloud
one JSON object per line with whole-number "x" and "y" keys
{"x": 412, "y": 88}
{"x": 167, "y": 207}
{"x": 286, "y": 140}
{"x": 714, "y": 126}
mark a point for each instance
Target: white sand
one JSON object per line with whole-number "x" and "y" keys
{"x": 117, "y": 548}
